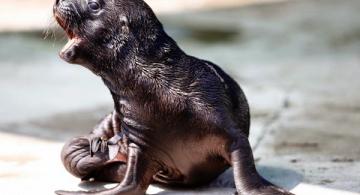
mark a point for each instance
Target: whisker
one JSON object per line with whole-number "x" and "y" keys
{"x": 49, "y": 31}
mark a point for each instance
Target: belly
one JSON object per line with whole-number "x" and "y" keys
{"x": 194, "y": 162}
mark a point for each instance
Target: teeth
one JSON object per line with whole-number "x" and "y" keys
{"x": 70, "y": 44}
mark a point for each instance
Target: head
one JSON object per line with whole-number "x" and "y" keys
{"x": 102, "y": 32}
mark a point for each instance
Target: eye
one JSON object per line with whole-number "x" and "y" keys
{"x": 94, "y": 6}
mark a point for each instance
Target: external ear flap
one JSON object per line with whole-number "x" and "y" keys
{"x": 70, "y": 52}
{"x": 124, "y": 23}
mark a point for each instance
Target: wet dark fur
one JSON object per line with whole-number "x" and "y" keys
{"x": 179, "y": 120}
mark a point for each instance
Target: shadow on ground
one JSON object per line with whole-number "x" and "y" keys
{"x": 59, "y": 127}
{"x": 224, "y": 184}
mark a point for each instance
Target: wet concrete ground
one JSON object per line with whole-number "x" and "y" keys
{"x": 297, "y": 61}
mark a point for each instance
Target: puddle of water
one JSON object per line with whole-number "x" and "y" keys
{"x": 210, "y": 35}
{"x": 59, "y": 127}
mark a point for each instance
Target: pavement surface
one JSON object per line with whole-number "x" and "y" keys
{"x": 298, "y": 62}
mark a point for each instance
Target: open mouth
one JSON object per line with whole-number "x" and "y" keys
{"x": 68, "y": 52}
{"x": 64, "y": 25}
{"x": 66, "y": 19}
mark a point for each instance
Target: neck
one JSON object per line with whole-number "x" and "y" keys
{"x": 139, "y": 67}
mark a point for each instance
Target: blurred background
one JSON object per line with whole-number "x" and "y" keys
{"x": 297, "y": 60}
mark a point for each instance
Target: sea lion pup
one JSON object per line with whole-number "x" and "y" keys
{"x": 181, "y": 120}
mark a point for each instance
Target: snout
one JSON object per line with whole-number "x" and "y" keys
{"x": 56, "y": 5}
{"x": 66, "y": 13}
{"x": 58, "y": 1}
{"x": 57, "y": 13}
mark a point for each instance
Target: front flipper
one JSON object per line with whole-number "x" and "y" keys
{"x": 92, "y": 156}
{"x": 77, "y": 159}
{"x": 138, "y": 176}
